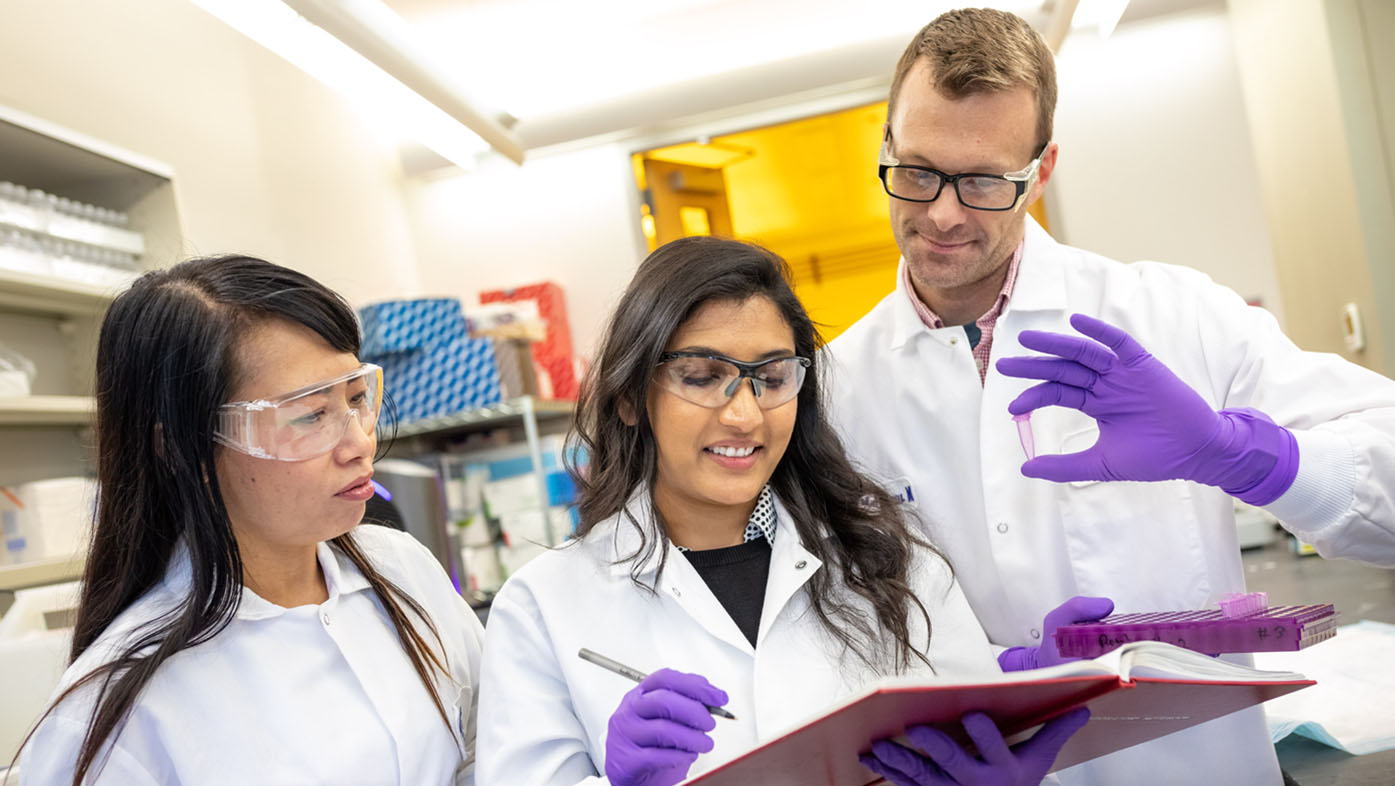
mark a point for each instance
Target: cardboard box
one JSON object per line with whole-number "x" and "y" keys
{"x": 517, "y": 376}
{"x": 553, "y": 355}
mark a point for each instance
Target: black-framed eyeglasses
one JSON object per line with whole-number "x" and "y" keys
{"x": 978, "y": 190}
{"x": 710, "y": 380}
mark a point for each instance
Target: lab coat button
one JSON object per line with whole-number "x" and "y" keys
{"x": 800, "y": 565}
{"x": 325, "y": 618}
{"x": 675, "y": 592}
{"x": 1036, "y": 634}
{"x": 954, "y": 342}
{"x": 1002, "y": 526}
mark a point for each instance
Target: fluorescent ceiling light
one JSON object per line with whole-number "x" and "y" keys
{"x": 1101, "y": 14}
{"x": 383, "y": 100}
{"x": 598, "y": 51}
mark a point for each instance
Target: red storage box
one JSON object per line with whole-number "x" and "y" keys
{"x": 553, "y": 355}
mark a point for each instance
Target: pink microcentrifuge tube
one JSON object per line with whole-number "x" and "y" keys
{"x": 1024, "y": 434}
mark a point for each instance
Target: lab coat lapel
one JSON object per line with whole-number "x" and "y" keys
{"x": 791, "y": 565}
{"x": 1038, "y": 302}
{"x": 685, "y": 587}
{"x": 1041, "y": 278}
{"x": 905, "y": 322}
{"x": 680, "y": 583}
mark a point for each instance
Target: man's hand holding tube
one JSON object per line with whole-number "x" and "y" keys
{"x": 1152, "y": 425}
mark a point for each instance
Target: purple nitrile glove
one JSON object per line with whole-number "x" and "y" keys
{"x": 1081, "y": 608}
{"x": 1152, "y": 426}
{"x": 944, "y": 763}
{"x": 660, "y": 728}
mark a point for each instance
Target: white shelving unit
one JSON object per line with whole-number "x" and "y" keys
{"x": 432, "y": 436}
{"x": 47, "y": 411}
{"x": 53, "y": 320}
{"x": 523, "y": 410}
{"x": 427, "y": 435}
{"x": 40, "y": 572}
{"x": 29, "y": 293}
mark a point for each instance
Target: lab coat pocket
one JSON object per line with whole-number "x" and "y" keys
{"x": 1138, "y": 543}
{"x": 1077, "y": 440}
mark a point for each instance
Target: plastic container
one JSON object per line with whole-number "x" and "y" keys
{"x": 1276, "y": 629}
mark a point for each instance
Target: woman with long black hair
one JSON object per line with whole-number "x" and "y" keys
{"x": 724, "y": 535}
{"x": 236, "y": 626}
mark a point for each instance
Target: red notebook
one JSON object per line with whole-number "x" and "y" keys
{"x": 1136, "y": 693}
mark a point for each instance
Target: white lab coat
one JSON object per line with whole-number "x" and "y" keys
{"x": 544, "y": 711}
{"x": 307, "y": 695}
{"x": 910, "y": 406}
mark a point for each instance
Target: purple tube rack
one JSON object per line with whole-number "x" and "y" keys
{"x": 1275, "y": 629}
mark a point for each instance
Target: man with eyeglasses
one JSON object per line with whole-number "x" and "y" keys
{"x": 1143, "y": 372}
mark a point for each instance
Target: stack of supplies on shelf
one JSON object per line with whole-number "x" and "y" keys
{"x": 556, "y": 362}
{"x": 431, "y": 365}
{"x": 513, "y": 326}
{"x": 48, "y": 235}
{"x": 45, "y": 519}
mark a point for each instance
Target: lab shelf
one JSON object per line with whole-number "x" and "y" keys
{"x": 50, "y": 295}
{"x": 64, "y": 227}
{"x": 44, "y": 155}
{"x": 47, "y": 411}
{"x": 41, "y": 572}
{"x": 52, "y": 313}
{"x": 428, "y": 437}
{"x": 502, "y": 414}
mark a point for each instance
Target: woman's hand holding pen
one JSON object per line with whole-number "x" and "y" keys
{"x": 660, "y": 728}
{"x": 937, "y": 759}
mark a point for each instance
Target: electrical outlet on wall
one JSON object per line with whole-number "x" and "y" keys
{"x": 1352, "y": 332}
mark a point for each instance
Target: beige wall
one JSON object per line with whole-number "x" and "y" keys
{"x": 266, "y": 160}
{"x": 1322, "y": 170}
{"x": 572, "y": 218}
{"x": 1156, "y": 159}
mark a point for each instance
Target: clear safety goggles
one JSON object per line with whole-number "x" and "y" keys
{"x": 711, "y": 380}
{"x": 304, "y": 423}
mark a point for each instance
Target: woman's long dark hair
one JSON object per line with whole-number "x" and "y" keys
{"x": 871, "y": 546}
{"x": 166, "y": 360}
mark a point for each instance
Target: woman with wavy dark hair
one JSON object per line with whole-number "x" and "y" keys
{"x": 236, "y": 626}
{"x": 725, "y": 533}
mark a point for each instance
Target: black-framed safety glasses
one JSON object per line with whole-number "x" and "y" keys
{"x": 977, "y": 190}
{"x": 710, "y": 380}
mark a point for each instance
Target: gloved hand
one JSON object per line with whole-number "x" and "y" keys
{"x": 1081, "y": 608}
{"x": 660, "y": 728}
{"x": 1152, "y": 426}
{"x": 947, "y": 764}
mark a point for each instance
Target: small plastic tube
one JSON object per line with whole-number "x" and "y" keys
{"x": 1238, "y": 604}
{"x": 1024, "y": 434}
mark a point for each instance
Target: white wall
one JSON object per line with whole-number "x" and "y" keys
{"x": 571, "y": 218}
{"x": 266, "y": 160}
{"x": 1156, "y": 159}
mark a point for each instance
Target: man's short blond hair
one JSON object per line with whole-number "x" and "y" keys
{"x": 982, "y": 50}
